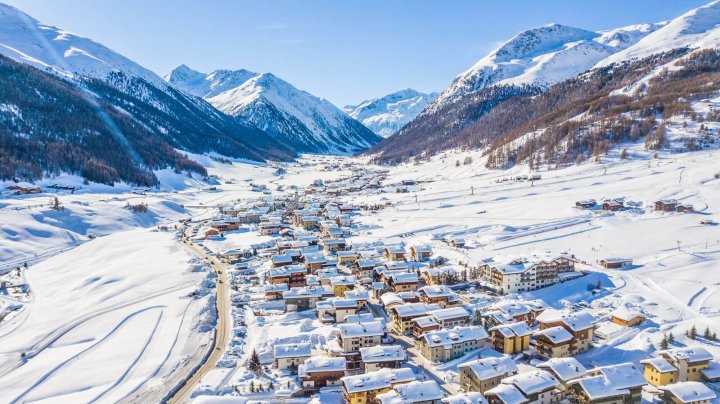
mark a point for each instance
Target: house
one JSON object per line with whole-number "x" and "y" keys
{"x": 347, "y": 257}
{"x": 586, "y": 204}
{"x": 281, "y": 260}
{"x": 528, "y": 272}
{"x": 321, "y": 371}
{"x": 403, "y": 314}
{"x": 439, "y": 294}
{"x": 341, "y": 284}
{"x": 613, "y": 205}
{"x": 581, "y": 325}
{"x": 685, "y": 208}
{"x": 565, "y": 370}
{"x": 275, "y": 291}
{"x": 666, "y": 205}
{"x": 353, "y": 336}
{"x": 403, "y": 282}
{"x": 381, "y": 356}
{"x": 395, "y": 253}
{"x": 621, "y": 383}
{"x": 626, "y": 318}
{"x": 443, "y": 275}
{"x": 290, "y": 356}
{"x": 267, "y": 229}
{"x": 677, "y": 365}
{"x": 365, "y": 387}
{"x": 483, "y": 374}
{"x": 292, "y": 275}
{"x": 303, "y": 298}
{"x": 334, "y": 244}
{"x": 538, "y": 386}
{"x": 687, "y": 392}
{"x": 451, "y": 317}
{"x": 420, "y": 253}
{"x": 511, "y": 338}
{"x": 471, "y": 397}
{"x": 613, "y": 263}
{"x": 314, "y": 261}
{"x": 553, "y": 342}
{"x": 421, "y": 325}
{"x": 505, "y": 394}
{"x": 362, "y": 297}
{"x": 448, "y": 344}
{"x": 336, "y": 310}
{"x": 364, "y": 269}
{"x": 415, "y": 392}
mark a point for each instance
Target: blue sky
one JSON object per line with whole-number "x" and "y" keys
{"x": 342, "y": 50}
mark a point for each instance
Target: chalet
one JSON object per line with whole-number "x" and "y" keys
{"x": 451, "y": 316}
{"x": 303, "y": 298}
{"x": 581, "y": 325}
{"x": 290, "y": 356}
{"x": 553, "y": 342}
{"x": 362, "y": 297}
{"x": 310, "y": 222}
{"x": 275, "y": 291}
{"x": 612, "y": 263}
{"x": 403, "y": 282}
{"x": 353, "y": 336}
{"x": 403, "y": 314}
{"x": 336, "y": 310}
{"x": 564, "y": 370}
{"x": 421, "y": 325}
{"x": 281, "y": 260}
{"x": 452, "y": 343}
{"x": 621, "y": 383}
{"x": 382, "y": 356}
{"x": 365, "y": 387}
{"x": 347, "y": 257}
{"x": 420, "y": 253}
{"x": 395, "y": 253}
{"x": 415, "y": 392}
{"x": 314, "y": 261}
{"x": 483, "y": 374}
{"x": 613, "y": 205}
{"x": 335, "y": 244}
{"x": 586, "y": 204}
{"x": 292, "y": 275}
{"x": 471, "y": 397}
{"x": 444, "y": 275}
{"x": 626, "y": 318}
{"x": 677, "y": 365}
{"x": 341, "y": 284}
{"x": 511, "y": 338}
{"x": 439, "y": 294}
{"x": 666, "y": 205}
{"x": 687, "y": 392}
{"x": 685, "y": 208}
{"x": 321, "y": 371}
{"x": 538, "y": 386}
{"x": 267, "y": 229}
{"x": 364, "y": 269}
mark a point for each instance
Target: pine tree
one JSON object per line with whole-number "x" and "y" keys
{"x": 624, "y": 154}
{"x": 664, "y": 343}
{"x": 707, "y": 335}
{"x": 713, "y": 337}
{"x": 671, "y": 338}
{"x": 254, "y": 364}
{"x": 271, "y": 386}
{"x": 252, "y": 386}
{"x": 693, "y": 333}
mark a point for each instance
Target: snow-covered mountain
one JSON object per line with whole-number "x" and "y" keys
{"x": 543, "y": 56}
{"x": 697, "y": 29}
{"x": 386, "y": 115}
{"x": 292, "y": 116}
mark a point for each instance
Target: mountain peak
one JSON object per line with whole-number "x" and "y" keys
{"x": 386, "y": 115}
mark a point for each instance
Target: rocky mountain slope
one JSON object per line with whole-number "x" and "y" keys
{"x": 294, "y": 117}
{"x": 386, "y": 115}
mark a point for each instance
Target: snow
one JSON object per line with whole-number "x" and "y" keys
{"x": 689, "y": 392}
{"x": 386, "y": 115}
{"x": 104, "y": 326}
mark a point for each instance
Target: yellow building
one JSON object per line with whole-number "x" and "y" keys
{"x": 364, "y": 388}
{"x": 676, "y": 365}
{"x": 511, "y": 338}
{"x": 659, "y": 372}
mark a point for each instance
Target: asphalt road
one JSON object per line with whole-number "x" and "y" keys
{"x": 223, "y": 330}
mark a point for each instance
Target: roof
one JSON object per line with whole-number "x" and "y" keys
{"x": 414, "y": 309}
{"x": 322, "y": 363}
{"x": 379, "y": 379}
{"x": 382, "y": 353}
{"x": 292, "y": 350}
{"x": 692, "y": 354}
{"x": 513, "y": 309}
{"x": 508, "y": 393}
{"x": 423, "y": 248}
{"x": 342, "y": 280}
{"x": 305, "y": 291}
{"x": 472, "y": 397}
{"x": 413, "y": 392}
{"x": 450, "y": 313}
{"x": 395, "y": 249}
{"x": 489, "y": 368}
{"x": 404, "y": 277}
{"x": 626, "y": 314}
{"x": 660, "y": 364}
{"x": 556, "y": 335}
{"x": 597, "y": 387}
{"x": 279, "y": 259}
{"x": 519, "y": 329}
{"x": 315, "y": 258}
{"x": 576, "y": 321}
{"x": 622, "y": 376}
{"x": 564, "y": 368}
{"x": 436, "y": 291}
{"x": 449, "y": 336}
{"x": 689, "y": 392}
{"x": 533, "y": 382}
{"x": 356, "y": 294}
{"x": 370, "y": 328}
{"x": 390, "y": 298}
{"x": 426, "y": 321}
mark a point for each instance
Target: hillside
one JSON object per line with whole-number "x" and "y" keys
{"x": 386, "y": 115}
{"x": 294, "y": 117}
{"x": 530, "y": 62}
